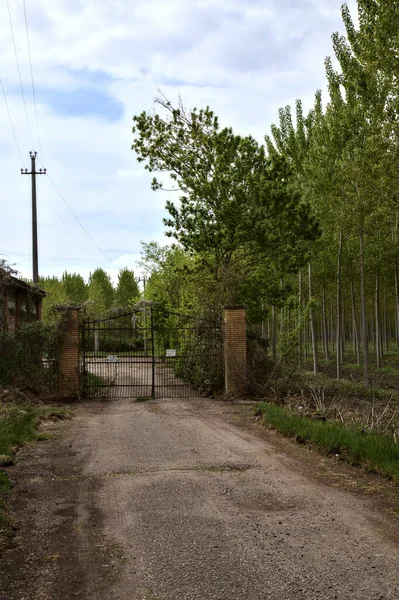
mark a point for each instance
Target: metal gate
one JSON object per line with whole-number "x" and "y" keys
{"x": 149, "y": 352}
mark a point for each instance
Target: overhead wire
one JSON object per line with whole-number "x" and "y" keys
{"x": 19, "y": 71}
{"x": 66, "y": 226}
{"x": 39, "y": 137}
{"x": 33, "y": 83}
{"x": 77, "y": 220}
{"x": 11, "y": 123}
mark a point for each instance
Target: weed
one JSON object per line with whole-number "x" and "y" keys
{"x": 6, "y": 460}
{"x": 17, "y": 426}
{"x": 143, "y": 399}
{"x": 5, "y": 487}
{"x": 387, "y": 370}
{"x": 372, "y": 450}
{"x": 95, "y": 386}
{"x": 43, "y": 436}
{"x": 5, "y": 484}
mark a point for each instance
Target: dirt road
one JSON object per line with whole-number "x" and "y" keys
{"x": 179, "y": 500}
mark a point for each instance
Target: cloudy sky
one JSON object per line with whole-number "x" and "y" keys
{"x": 96, "y": 63}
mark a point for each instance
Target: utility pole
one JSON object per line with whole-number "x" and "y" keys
{"x": 33, "y": 173}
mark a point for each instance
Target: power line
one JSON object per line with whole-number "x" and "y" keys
{"x": 19, "y": 71}
{"x": 11, "y": 123}
{"x": 77, "y": 220}
{"x": 66, "y": 226}
{"x": 38, "y": 131}
{"x": 31, "y": 74}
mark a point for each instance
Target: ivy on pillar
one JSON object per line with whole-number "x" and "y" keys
{"x": 235, "y": 350}
{"x": 68, "y": 351}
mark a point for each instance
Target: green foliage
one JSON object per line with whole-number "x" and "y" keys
{"x": 75, "y": 288}
{"x": 127, "y": 290}
{"x": 18, "y": 425}
{"x": 101, "y": 292}
{"x": 28, "y": 357}
{"x": 57, "y": 295}
{"x": 374, "y": 451}
{"x": 174, "y": 279}
{"x": 237, "y": 210}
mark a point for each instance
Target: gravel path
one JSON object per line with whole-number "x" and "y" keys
{"x": 172, "y": 500}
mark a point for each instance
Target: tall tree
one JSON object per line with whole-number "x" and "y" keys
{"x": 127, "y": 289}
{"x": 75, "y": 287}
{"x": 101, "y": 292}
{"x": 237, "y": 209}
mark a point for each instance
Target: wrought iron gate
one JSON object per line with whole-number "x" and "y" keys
{"x": 149, "y": 352}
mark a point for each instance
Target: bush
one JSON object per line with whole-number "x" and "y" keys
{"x": 28, "y": 358}
{"x": 112, "y": 344}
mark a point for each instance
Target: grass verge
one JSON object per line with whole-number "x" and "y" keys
{"x": 18, "y": 425}
{"x": 376, "y": 452}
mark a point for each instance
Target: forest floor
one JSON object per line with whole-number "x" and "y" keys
{"x": 193, "y": 499}
{"x": 387, "y": 376}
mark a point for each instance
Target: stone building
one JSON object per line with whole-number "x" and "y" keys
{"x": 20, "y": 302}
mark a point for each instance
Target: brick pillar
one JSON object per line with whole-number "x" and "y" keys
{"x": 235, "y": 350}
{"x": 68, "y": 351}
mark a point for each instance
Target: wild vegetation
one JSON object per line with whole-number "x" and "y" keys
{"x": 303, "y": 230}
{"x": 97, "y": 295}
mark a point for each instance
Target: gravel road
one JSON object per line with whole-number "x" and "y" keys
{"x": 177, "y": 500}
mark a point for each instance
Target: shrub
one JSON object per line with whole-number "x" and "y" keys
{"x": 28, "y": 358}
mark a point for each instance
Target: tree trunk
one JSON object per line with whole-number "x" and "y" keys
{"x": 355, "y": 327}
{"x": 325, "y": 328}
{"x": 397, "y": 301}
{"x": 300, "y": 319}
{"x": 365, "y": 343}
{"x": 282, "y": 319}
{"x": 339, "y": 316}
{"x": 311, "y": 319}
{"x": 386, "y": 325}
{"x": 377, "y": 321}
{"x": 274, "y": 328}
{"x": 343, "y": 328}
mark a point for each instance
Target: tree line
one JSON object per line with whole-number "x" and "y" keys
{"x": 97, "y": 295}
{"x": 303, "y": 229}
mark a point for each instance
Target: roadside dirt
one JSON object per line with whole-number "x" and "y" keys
{"x": 193, "y": 499}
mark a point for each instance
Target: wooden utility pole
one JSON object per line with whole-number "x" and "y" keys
{"x": 33, "y": 173}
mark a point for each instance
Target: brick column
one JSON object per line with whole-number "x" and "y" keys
{"x": 68, "y": 351}
{"x": 235, "y": 350}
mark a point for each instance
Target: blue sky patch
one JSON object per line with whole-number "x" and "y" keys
{"x": 83, "y": 102}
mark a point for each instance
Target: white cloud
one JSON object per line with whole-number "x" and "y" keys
{"x": 130, "y": 173}
{"x": 244, "y": 58}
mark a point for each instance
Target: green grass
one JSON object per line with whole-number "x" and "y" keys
{"x": 387, "y": 370}
{"x": 345, "y": 386}
{"x": 17, "y": 425}
{"x": 5, "y": 487}
{"x": 5, "y": 484}
{"x": 376, "y": 452}
{"x": 143, "y": 399}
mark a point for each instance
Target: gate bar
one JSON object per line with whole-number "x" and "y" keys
{"x": 153, "y": 355}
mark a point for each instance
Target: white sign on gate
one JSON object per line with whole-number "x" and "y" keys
{"x": 171, "y": 352}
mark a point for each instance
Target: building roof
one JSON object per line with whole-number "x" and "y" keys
{"x": 15, "y": 283}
